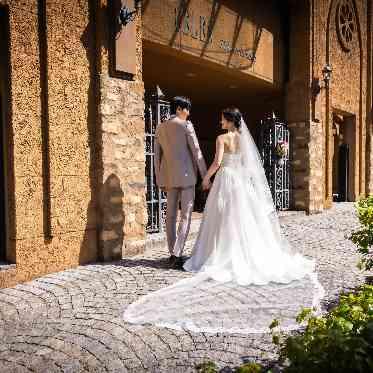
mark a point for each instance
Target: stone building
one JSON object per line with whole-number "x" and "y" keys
{"x": 77, "y": 86}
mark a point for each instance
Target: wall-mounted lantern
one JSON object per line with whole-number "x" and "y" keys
{"x": 326, "y": 76}
{"x": 126, "y": 15}
{"x": 123, "y": 39}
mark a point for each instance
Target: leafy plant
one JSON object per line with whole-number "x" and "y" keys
{"x": 341, "y": 341}
{"x": 211, "y": 367}
{"x": 363, "y": 238}
{"x": 249, "y": 368}
{"x": 207, "y": 367}
{"x": 281, "y": 149}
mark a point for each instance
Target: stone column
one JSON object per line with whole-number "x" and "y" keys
{"x": 298, "y": 99}
{"x": 122, "y": 205}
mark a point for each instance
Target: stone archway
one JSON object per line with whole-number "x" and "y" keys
{"x": 344, "y": 53}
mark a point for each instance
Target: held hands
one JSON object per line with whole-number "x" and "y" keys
{"x": 206, "y": 183}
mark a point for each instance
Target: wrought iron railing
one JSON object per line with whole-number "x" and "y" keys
{"x": 157, "y": 110}
{"x": 274, "y": 144}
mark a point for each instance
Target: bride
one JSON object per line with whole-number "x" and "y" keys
{"x": 245, "y": 271}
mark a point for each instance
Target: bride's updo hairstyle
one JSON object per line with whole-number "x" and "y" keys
{"x": 233, "y": 115}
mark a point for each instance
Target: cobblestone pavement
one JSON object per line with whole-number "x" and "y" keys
{"x": 71, "y": 321}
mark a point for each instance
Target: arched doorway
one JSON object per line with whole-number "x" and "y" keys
{"x": 344, "y": 153}
{"x": 343, "y": 157}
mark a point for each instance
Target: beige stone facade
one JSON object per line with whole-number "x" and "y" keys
{"x": 74, "y": 153}
{"x": 347, "y": 97}
{"x": 73, "y": 128}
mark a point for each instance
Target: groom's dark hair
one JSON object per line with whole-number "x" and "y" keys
{"x": 181, "y": 102}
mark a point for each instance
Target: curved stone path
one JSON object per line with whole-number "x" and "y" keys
{"x": 71, "y": 321}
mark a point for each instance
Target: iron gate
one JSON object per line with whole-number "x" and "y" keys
{"x": 274, "y": 142}
{"x": 156, "y": 111}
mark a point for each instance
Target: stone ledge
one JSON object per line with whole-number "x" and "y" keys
{"x": 4, "y": 266}
{"x": 132, "y": 248}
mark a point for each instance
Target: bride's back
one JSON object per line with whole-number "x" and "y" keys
{"x": 231, "y": 142}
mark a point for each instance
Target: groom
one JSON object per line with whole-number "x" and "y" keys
{"x": 177, "y": 157}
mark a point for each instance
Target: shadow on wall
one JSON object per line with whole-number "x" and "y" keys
{"x": 104, "y": 241}
{"x": 89, "y": 248}
{"x": 112, "y": 233}
{"x": 104, "y": 233}
{"x": 7, "y": 177}
{"x": 43, "y": 56}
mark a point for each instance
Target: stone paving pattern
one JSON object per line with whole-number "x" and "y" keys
{"x": 71, "y": 321}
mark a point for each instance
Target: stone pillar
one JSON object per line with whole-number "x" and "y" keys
{"x": 299, "y": 165}
{"x": 122, "y": 207}
{"x": 305, "y": 166}
{"x": 316, "y": 167}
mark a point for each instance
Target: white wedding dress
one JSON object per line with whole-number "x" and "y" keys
{"x": 245, "y": 272}
{"x": 236, "y": 241}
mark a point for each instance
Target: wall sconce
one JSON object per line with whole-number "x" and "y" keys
{"x": 326, "y": 76}
{"x": 126, "y": 15}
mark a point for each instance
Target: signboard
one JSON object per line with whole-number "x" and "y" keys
{"x": 216, "y": 32}
{"x": 124, "y": 45}
{"x": 199, "y": 27}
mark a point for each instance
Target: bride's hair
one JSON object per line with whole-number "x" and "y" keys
{"x": 232, "y": 114}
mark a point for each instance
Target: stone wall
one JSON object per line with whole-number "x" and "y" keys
{"x": 311, "y": 121}
{"x": 348, "y": 88}
{"x": 78, "y": 133}
{"x": 122, "y": 196}
{"x": 52, "y": 222}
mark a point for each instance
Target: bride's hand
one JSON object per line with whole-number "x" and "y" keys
{"x": 206, "y": 184}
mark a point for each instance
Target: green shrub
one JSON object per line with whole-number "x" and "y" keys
{"x": 211, "y": 367}
{"x": 249, "y": 368}
{"x": 341, "y": 341}
{"x": 363, "y": 238}
{"x": 207, "y": 367}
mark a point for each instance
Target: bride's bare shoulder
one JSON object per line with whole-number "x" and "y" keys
{"x": 222, "y": 138}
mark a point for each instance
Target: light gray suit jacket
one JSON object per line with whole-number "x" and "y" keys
{"x": 177, "y": 154}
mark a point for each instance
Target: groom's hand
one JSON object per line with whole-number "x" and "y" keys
{"x": 206, "y": 184}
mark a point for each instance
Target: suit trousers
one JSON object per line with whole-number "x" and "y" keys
{"x": 175, "y": 242}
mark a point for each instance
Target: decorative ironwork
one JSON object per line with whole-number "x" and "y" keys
{"x": 346, "y": 24}
{"x": 157, "y": 110}
{"x": 274, "y": 143}
{"x": 126, "y": 15}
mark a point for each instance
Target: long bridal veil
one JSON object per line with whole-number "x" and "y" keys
{"x": 275, "y": 282}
